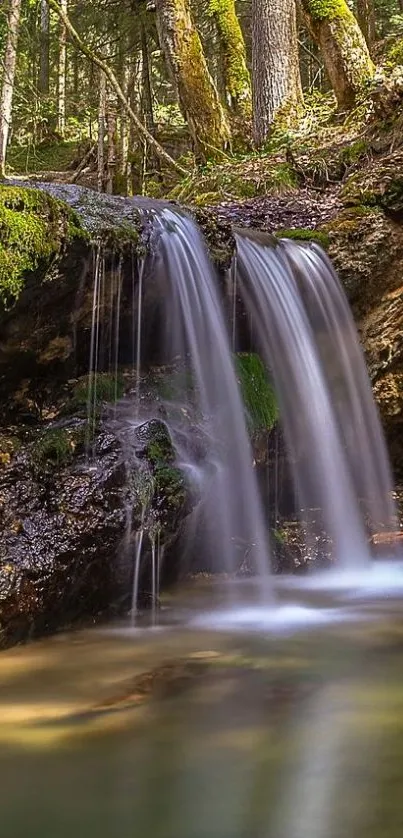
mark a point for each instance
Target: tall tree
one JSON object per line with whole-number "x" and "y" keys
{"x": 115, "y": 86}
{"x": 197, "y": 94}
{"x": 344, "y": 50}
{"x": 233, "y": 55}
{"x": 276, "y": 81}
{"x": 7, "y": 88}
{"x": 367, "y": 21}
{"x": 61, "y": 80}
{"x": 44, "y": 49}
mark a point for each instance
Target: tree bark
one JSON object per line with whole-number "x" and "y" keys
{"x": 162, "y": 154}
{"x": 197, "y": 93}
{"x": 44, "y": 50}
{"x": 232, "y": 53}
{"x": 276, "y": 81}
{"x": 101, "y": 131}
{"x": 344, "y": 50}
{"x": 7, "y": 88}
{"x": 61, "y": 84}
{"x": 366, "y": 20}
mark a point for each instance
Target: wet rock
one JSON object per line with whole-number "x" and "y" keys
{"x": 68, "y": 522}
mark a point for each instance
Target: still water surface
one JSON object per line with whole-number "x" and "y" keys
{"x": 211, "y": 727}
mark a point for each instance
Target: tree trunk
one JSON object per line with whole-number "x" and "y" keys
{"x": 344, "y": 51}
{"x": 197, "y": 94}
{"x": 111, "y": 119}
{"x": 7, "y": 88}
{"x": 232, "y": 53}
{"x": 366, "y": 20}
{"x": 44, "y": 50}
{"x": 61, "y": 86}
{"x": 276, "y": 81}
{"x": 146, "y": 89}
{"x": 101, "y": 130}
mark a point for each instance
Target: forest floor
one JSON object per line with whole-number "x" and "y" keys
{"x": 301, "y": 181}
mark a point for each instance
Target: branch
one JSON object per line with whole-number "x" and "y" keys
{"x": 141, "y": 129}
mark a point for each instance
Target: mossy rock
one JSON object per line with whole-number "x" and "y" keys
{"x": 304, "y": 235}
{"x": 218, "y": 235}
{"x": 380, "y": 184}
{"x": 35, "y": 229}
{"x": 366, "y": 248}
{"x": 257, "y": 392}
{"x": 56, "y": 447}
{"x": 102, "y": 388}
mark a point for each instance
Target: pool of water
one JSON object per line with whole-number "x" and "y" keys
{"x": 228, "y": 720}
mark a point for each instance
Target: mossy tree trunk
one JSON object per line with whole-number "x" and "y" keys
{"x": 344, "y": 50}
{"x": 197, "y": 94}
{"x": 276, "y": 81}
{"x": 232, "y": 56}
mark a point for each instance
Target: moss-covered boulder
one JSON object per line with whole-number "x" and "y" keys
{"x": 366, "y": 247}
{"x": 35, "y": 231}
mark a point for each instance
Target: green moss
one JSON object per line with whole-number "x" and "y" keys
{"x": 257, "y": 392}
{"x": 394, "y": 54}
{"x": 34, "y": 229}
{"x": 170, "y": 487}
{"x": 302, "y": 234}
{"x": 104, "y": 387}
{"x": 233, "y": 55}
{"x": 199, "y": 99}
{"x": 354, "y": 152}
{"x": 54, "y": 448}
{"x": 45, "y": 157}
{"x": 327, "y": 9}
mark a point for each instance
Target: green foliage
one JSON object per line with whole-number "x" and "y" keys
{"x": 45, "y": 157}
{"x": 233, "y": 54}
{"x": 34, "y": 228}
{"x": 257, "y": 392}
{"x": 302, "y": 234}
{"x": 54, "y": 448}
{"x": 104, "y": 388}
{"x": 394, "y": 54}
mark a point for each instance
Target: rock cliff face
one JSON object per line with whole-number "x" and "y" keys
{"x": 366, "y": 246}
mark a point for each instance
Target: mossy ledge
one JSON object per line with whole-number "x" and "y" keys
{"x": 35, "y": 229}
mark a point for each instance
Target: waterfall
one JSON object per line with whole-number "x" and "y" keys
{"x": 308, "y": 340}
{"x": 231, "y": 512}
{"x": 300, "y": 320}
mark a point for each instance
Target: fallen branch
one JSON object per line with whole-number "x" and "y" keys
{"x": 141, "y": 129}
{"x": 86, "y": 159}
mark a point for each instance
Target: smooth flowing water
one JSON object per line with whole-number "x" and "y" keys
{"x": 291, "y": 729}
{"x": 309, "y": 342}
{"x": 231, "y": 510}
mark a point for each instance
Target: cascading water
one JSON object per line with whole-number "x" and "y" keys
{"x": 232, "y": 508}
{"x": 347, "y": 378}
{"x": 306, "y": 334}
{"x": 309, "y": 343}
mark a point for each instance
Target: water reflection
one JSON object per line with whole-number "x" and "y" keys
{"x": 187, "y": 733}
